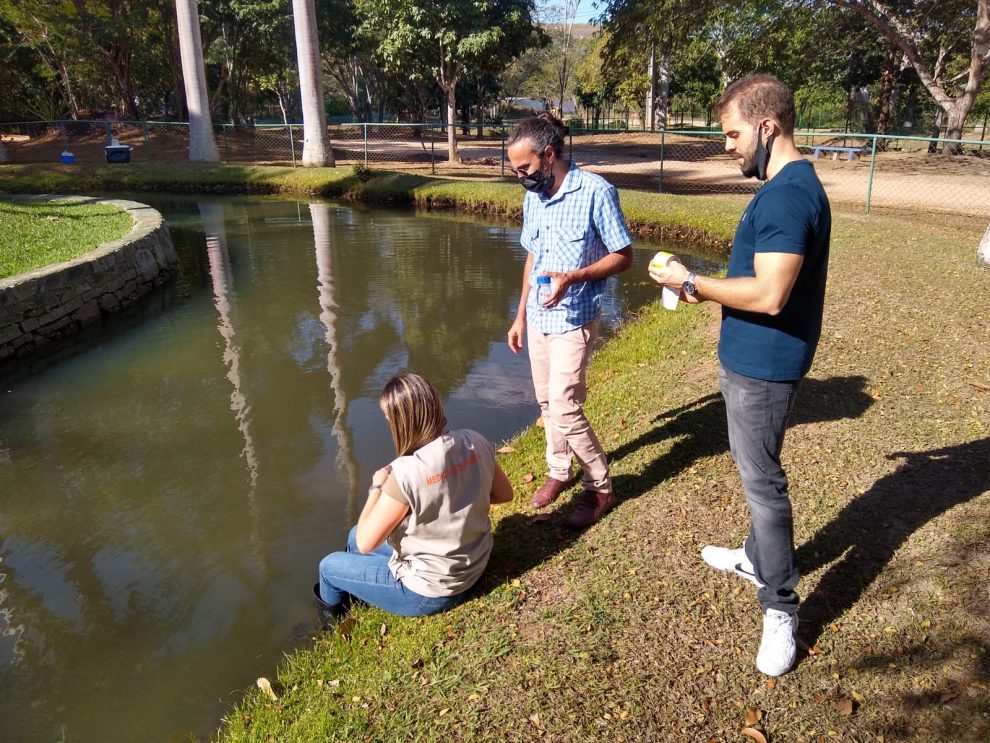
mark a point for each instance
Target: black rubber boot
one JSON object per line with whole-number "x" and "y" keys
{"x": 328, "y": 614}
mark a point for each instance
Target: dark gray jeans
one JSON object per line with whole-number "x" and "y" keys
{"x": 757, "y": 411}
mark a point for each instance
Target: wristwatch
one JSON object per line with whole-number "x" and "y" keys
{"x": 688, "y": 287}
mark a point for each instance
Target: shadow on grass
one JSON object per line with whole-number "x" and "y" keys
{"x": 868, "y": 531}
{"x": 525, "y": 540}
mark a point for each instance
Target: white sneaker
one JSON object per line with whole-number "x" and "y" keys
{"x": 777, "y": 648}
{"x": 734, "y": 561}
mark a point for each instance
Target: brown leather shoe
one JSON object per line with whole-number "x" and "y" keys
{"x": 591, "y": 507}
{"x": 547, "y": 492}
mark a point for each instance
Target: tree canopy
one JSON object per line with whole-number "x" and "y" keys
{"x": 872, "y": 65}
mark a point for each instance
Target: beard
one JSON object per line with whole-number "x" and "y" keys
{"x": 749, "y": 167}
{"x": 754, "y": 164}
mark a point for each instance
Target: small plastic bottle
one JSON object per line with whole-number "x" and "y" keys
{"x": 543, "y": 289}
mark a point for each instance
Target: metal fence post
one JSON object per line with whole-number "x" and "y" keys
{"x": 365, "y": 127}
{"x": 65, "y": 135}
{"x": 662, "y": 133}
{"x": 292, "y": 144}
{"x": 433, "y": 157}
{"x": 873, "y": 163}
{"x": 226, "y": 144}
{"x": 570, "y": 145}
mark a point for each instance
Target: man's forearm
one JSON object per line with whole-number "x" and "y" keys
{"x": 741, "y": 293}
{"x": 524, "y": 291}
{"x": 610, "y": 265}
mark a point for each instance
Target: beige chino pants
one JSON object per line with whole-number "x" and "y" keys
{"x": 558, "y": 363}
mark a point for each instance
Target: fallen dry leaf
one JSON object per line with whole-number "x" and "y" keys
{"x": 444, "y": 711}
{"x": 844, "y": 706}
{"x": 980, "y": 386}
{"x": 528, "y": 477}
{"x": 506, "y": 449}
{"x": 535, "y": 718}
{"x": 754, "y": 734}
{"x": 753, "y": 715}
{"x": 345, "y": 628}
{"x": 266, "y": 688}
{"x": 383, "y": 630}
{"x": 771, "y": 683}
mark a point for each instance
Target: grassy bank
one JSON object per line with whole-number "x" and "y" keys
{"x": 621, "y": 632}
{"x": 703, "y": 220}
{"x": 36, "y": 234}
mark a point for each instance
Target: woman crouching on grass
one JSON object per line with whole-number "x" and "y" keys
{"x": 424, "y": 536}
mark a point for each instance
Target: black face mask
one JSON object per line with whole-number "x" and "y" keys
{"x": 761, "y": 158}
{"x": 536, "y": 181}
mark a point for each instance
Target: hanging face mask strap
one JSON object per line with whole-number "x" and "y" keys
{"x": 763, "y": 151}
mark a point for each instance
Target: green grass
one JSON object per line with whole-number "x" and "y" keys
{"x": 621, "y": 633}
{"x": 36, "y": 234}
{"x": 703, "y": 220}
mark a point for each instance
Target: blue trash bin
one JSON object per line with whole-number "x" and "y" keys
{"x": 118, "y": 153}
{"x": 67, "y": 158}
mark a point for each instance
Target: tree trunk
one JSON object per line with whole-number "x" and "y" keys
{"x": 890, "y": 77}
{"x": 202, "y": 145}
{"x": 663, "y": 89}
{"x": 651, "y": 88}
{"x": 452, "y": 156}
{"x": 480, "y": 116}
{"x": 315, "y": 151}
{"x": 983, "y": 252}
{"x": 936, "y": 130}
{"x": 954, "y": 127}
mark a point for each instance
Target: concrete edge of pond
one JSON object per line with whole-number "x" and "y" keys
{"x": 43, "y": 306}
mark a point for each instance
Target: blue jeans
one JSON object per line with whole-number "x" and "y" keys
{"x": 757, "y": 412}
{"x": 367, "y": 577}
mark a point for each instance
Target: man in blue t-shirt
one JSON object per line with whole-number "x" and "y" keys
{"x": 772, "y": 300}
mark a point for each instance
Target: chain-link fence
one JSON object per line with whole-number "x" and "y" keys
{"x": 869, "y": 169}
{"x": 864, "y": 169}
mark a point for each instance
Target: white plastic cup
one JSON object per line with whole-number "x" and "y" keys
{"x": 669, "y": 297}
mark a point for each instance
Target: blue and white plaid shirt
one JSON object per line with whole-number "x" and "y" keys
{"x": 577, "y": 226}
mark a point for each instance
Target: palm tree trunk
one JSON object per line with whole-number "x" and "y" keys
{"x": 315, "y": 150}
{"x": 202, "y": 145}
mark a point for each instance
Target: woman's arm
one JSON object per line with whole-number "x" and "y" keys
{"x": 501, "y": 487}
{"x": 380, "y": 514}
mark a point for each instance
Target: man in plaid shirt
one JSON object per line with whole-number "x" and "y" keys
{"x": 574, "y": 232}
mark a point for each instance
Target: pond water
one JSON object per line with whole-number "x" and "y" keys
{"x": 167, "y": 492}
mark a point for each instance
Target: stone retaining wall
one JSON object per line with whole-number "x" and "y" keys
{"x": 42, "y": 306}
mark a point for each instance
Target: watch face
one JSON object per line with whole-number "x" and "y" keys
{"x": 688, "y": 288}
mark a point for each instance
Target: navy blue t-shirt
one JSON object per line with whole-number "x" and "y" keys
{"x": 789, "y": 214}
